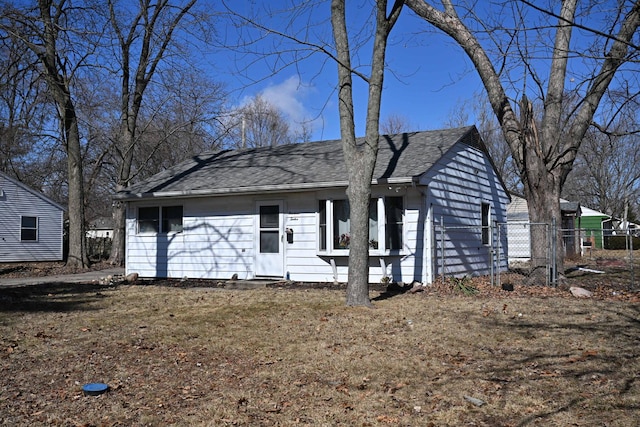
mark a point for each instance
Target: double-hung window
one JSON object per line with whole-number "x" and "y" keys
{"x": 386, "y": 217}
{"x": 394, "y": 217}
{"x": 486, "y": 218}
{"x": 172, "y": 219}
{"x": 155, "y": 219}
{"x": 28, "y": 228}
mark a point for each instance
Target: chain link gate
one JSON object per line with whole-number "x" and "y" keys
{"x": 461, "y": 250}
{"x": 518, "y": 252}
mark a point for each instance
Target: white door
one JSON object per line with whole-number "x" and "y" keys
{"x": 269, "y": 232}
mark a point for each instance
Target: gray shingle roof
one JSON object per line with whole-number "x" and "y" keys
{"x": 401, "y": 157}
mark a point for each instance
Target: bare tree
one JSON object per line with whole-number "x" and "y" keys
{"x": 606, "y": 174}
{"x": 30, "y": 148}
{"x": 143, "y": 38}
{"x": 304, "y": 133}
{"x": 97, "y": 101}
{"x": 360, "y": 159}
{"x": 180, "y": 118}
{"x": 52, "y": 32}
{"x": 298, "y": 42}
{"x": 22, "y": 106}
{"x": 544, "y": 153}
{"x": 395, "y": 123}
{"x": 259, "y": 124}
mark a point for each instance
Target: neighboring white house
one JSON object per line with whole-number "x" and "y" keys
{"x": 282, "y": 211}
{"x": 31, "y": 224}
{"x": 519, "y": 228}
{"x": 101, "y": 227}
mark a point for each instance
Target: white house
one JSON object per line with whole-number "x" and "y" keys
{"x": 519, "y": 228}
{"x": 100, "y": 228}
{"x": 282, "y": 211}
{"x": 31, "y": 224}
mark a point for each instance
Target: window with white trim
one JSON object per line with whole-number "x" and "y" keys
{"x": 29, "y": 229}
{"x": 394, "y": 218}
{"x": 154, "y": 219}
{"x": 322, "y": 224}
{"x": 386, "y": 218}
{"x": 486, "y": 218}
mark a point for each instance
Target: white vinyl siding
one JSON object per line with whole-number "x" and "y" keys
{"x": 216, "y": 242}
{"x": 464, "y": 177}
{"x": 218, "y": 234}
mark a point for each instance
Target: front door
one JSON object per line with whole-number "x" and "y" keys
{"x": 270, "y": 253}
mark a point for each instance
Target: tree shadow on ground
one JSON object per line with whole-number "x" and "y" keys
{"x": 51, "y": 297}
{"x": 568, "y": 353}
{"x": 392, "y": 290}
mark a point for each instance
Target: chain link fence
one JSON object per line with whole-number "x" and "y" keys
{"x": 507, "y": 247}
{"x": 469, "y": 251}
{"x": 98, "y": 248}
{"x": 609, "y": 251}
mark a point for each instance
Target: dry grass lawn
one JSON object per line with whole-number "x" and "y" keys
{"x": 282, "y": 357}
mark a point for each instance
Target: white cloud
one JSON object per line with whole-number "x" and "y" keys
{"x": 289, "y": 97}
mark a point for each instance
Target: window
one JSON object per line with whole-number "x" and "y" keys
{"x": 28, "y": 228}
{"x": 334, "y": 224}
{"x": 393, "y": 225}
{"x": 172, "y": 219}
{"x": 322, "y": 221}
{"x": 486, "y": 215}
{"x": 269, "y": 229}
{"x": 150, "y": 220}
{"x": 341, "y": 224}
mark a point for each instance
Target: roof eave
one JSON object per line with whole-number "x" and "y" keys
{"x": 259, "y": 189}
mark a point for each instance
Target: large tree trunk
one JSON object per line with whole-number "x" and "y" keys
{"x": 77, "y": 256}
{"x": 359, "y": 190}
{"x": 117, "y": 256}
{"x": 542, "y": 191}
{"x": 359, "y": 193}
{"x": 543, "y": 200}
{"x": 119, "y": 236}
{"x": 543, "y": 158}
{"x": 58, "y": 83}
{"x": 360, "y": 160}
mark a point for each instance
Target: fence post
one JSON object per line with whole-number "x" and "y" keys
{"x": 633, "y": 284}
{"x": 554, "y": 251}
{"x": 442, "y": 247}
{"x": 491, "y": 253}
{"x": 498, "y": 282}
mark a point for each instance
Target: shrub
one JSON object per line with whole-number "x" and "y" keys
{"x": 620, "y": 242}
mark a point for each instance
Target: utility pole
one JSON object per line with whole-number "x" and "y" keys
{"x": 243, "y": 135}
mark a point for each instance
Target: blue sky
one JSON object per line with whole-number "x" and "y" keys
{"x": 427, "y": 78}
